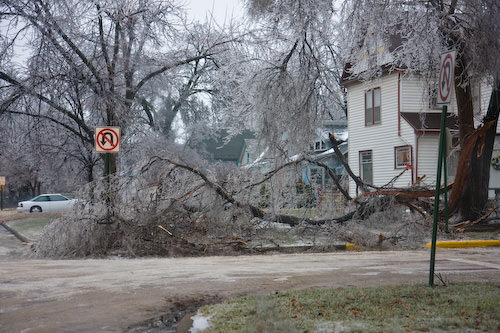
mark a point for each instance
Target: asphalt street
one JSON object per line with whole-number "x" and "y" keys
{"x": 114, "y": 294}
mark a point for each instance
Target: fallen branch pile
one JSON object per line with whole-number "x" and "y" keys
{"x": 466, "y": 224}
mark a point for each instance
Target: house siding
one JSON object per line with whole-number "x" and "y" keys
{"x": 427, "y": 158}
{"x": 394, "y": 131}
{"x": 414, "y": 96}
{"x": 382, "y": 138}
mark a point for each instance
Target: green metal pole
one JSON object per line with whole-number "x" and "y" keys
{"x": 445, "y": 166}
{"x": 1, "y": 198}
{"x": 107, "y": 165}
{"x": 107, "y": 172}
{"x": 436, "y": 196}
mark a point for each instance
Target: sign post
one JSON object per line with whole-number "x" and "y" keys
{"x": 2, "y": 185}
{"x": 107, "y": 141}
{"x": 446, "y": 83}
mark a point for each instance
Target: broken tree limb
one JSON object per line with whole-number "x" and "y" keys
{"x": 463, "y": 225}
{"x": 410, "y": 193}
{"x": 162, "y": 228}
{"x": 359, "y": 182}
{"x": 473, "y": 171}
{"x": 470, "y": 171}
{"x": 257, "y": 212}
{"x": 330, "y": 172}
{"x": 335, "y": 178}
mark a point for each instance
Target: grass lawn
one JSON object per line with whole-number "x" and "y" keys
{"x": 461, "y": 307}
{"x": 307, "y": 213}
{"x": 32, "y": 226}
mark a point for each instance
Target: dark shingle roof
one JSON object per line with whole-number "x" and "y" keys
{"x": 219, "y": 148}
{"x": 430, "y": 122}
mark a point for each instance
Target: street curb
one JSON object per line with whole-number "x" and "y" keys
{"x": 352, "y": 247}
{"x": 470, "y": 243}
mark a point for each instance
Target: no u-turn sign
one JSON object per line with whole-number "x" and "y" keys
{"x": 107, "y": 139}
{"x": 446, "y": 77}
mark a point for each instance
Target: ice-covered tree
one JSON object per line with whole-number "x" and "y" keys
{"x": 112, "y": 63}
{"x": 283, "y": 80}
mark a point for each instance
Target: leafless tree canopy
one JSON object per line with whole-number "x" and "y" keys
{"x": 144, "y": 67}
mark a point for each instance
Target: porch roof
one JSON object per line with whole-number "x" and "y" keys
{"x": 429, "y": 122}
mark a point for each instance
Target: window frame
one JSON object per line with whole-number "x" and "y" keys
{"x": 319, "y": 145}
{"x": 361, "y": 170}
{"x": 371, "y": 94}
{"x": 410, "y": 156}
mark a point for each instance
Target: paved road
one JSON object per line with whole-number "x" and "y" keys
{"x": 113, "y": 294}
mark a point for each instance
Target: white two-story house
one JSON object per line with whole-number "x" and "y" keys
{"x": 394, "y": 126}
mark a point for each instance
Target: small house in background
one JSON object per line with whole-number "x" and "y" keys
{"x": 322, "y": 151}
{"x": 394, "y": 124}
{"x": 229, "y": 149}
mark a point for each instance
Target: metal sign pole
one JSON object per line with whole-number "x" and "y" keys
{"x": 445, "y": 175}
{"x": 2, "y": 185}
{"x": 436, "y": 196}
{"x": 445, "y": 84}
{"x": 107, "y": 141}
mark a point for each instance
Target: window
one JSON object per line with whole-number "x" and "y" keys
{"x": 372, "y": 106}
{"x": 58, "y": 198}
{"x": 317, "y": 176}
{"x": 402, "y": 157}
{"x": 366, "y": 166}
{"x": 319, "y": 145}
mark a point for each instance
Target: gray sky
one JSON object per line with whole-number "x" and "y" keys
{"x": 221, "y": 9}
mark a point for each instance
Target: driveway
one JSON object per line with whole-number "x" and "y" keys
{"x": 115, "y": 294}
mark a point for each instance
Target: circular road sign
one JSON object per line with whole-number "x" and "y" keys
{"x": 107, "y": 139}
{"x": 446, "y": 77}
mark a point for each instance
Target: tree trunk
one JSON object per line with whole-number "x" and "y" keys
{"x": 464, "y": 101}
{"x": 470, "y": 190}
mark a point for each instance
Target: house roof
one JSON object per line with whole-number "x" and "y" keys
{"x": 382, "y": 53}
{"x": 429, "y": 122}
{"x": 225, "y": 148}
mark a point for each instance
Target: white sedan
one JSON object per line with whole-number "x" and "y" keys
{"x": 47, "y": 203}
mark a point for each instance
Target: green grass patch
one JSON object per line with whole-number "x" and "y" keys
{"x": 31, "y": 227}
{"x": 307, "y": 213}
{"x": 411, "y": 308}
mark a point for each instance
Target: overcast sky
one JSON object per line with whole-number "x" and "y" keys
{"x": 222, "y": 9}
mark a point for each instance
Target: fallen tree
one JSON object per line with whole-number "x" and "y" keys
{"x": 170, "y": 206}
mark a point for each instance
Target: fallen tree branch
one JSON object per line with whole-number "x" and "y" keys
{"x": 410, "y": 193}
{"x": 359, "y": 182}
{"x": 462, "y": 225}
{"x": 257, "y": 212}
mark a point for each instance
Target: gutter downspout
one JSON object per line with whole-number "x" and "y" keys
{"x": 399, "y": 102}
{"x": 418, "y": 135}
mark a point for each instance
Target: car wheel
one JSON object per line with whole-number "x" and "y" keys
{"x": 36, "y": 209}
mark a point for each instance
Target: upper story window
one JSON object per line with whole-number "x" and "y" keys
{"x": 319, "y": 145}
{"x": 372, "y": 106}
